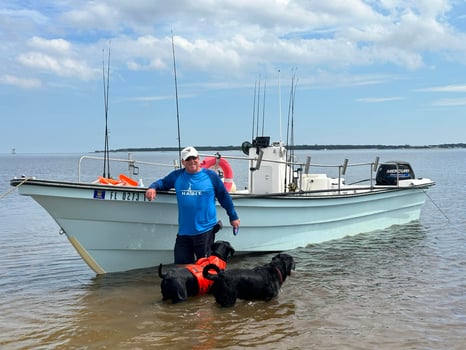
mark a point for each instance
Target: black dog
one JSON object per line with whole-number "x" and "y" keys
{"x": 260, "y": 283}
{"x": 181, "y": 282}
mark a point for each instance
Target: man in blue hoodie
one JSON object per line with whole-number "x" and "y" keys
{"x": 196, "y": 191}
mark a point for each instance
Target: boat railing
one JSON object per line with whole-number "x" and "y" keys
{"x": 304, "y": 168}
{"x": 297, "y": 169}
{"x": 133, "y": 167}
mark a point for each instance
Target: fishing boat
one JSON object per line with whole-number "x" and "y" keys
{"x": 284, "y": 206}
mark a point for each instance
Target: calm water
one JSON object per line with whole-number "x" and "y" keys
{"x": 402, "y": 288}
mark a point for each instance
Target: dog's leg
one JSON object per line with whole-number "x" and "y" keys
{"x": 181, "y": 294}
{"x": 174, "y": 290}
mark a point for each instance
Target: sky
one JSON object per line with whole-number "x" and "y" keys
{"x": 359, "y": 72}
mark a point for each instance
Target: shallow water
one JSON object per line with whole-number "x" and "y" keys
{"x": 403, "y": 287}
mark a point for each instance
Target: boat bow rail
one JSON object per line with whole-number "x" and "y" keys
{"x": 133, "y": 165}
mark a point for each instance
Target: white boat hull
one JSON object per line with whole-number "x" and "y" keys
{"x": 116, "y": 229}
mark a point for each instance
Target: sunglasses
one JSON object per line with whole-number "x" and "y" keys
{"x": 190, "y": 158}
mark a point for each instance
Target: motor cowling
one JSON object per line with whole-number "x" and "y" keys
{"x": 388, "y": 173}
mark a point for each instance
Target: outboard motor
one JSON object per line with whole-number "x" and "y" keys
{"x": 388, "y": 173}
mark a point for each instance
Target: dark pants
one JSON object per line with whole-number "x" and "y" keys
{"x": 190, "y": 248}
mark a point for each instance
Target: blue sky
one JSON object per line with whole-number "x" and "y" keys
{"x": 368, "y": 72}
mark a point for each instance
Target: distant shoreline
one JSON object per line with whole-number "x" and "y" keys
{"x": 296, "y": 147}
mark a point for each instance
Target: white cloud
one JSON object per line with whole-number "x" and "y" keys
{"x": 379, "y": 99}
{"x": 445, "y": 88}
{"x": 94, "y": 16}
{"x": 59, "y": 45}
{"x": 237, "y": 37}
{"x": 62, "y": 66}
{"x": 450, "y": 102}
{"x": 20, "y": 82}
{"x": 24, "y": 14}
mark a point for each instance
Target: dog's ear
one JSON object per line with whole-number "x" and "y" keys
{"x": 160, "y": 272}
{"x": 290, "y": 264}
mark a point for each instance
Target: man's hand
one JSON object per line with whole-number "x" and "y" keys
{"x": 151, "y": 194}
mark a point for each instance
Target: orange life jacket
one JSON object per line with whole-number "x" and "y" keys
{"x": 196, "y": 270}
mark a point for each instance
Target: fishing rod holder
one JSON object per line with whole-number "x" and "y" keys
{"x": 132, "y": 168}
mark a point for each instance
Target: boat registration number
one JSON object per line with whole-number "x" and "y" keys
{"x": 119, "y": 195}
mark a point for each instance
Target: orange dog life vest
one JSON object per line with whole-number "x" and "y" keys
{"x": 196, "y": 270}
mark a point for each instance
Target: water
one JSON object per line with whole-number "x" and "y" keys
{"x": 401, "y": 288}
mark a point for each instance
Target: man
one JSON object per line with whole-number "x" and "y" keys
{"x": 196, "y": 191}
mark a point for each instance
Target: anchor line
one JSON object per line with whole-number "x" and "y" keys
{"x": 437, "y": 206}
{"x": 14, "y": 188}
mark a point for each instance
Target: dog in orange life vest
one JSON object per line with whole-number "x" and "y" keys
{"x": 182, "y": 282}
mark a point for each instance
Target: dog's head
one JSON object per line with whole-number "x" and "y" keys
{"x": 222, "y": 249}
{"x": 285, "y": 263}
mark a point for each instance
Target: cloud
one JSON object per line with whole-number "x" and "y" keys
{"x": 61, "y": 66}
{"x": 379, "y": 99}
{"x": 91, "y": 16}
{"x": 56, "y": 56}
{"x": 20, "y": 82}
{"x": 236, "y": 38}
{"x": 445, "y": 88}
{"x": 450, "y": 102}
{"x": 24, "y": 14}
{"x": 59, "y": 45}
{"x": 449, "y": 89}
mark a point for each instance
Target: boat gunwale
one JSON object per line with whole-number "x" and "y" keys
{"x": 301, "y": 195}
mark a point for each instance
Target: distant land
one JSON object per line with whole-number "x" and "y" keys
{"x": 296, "y": 147}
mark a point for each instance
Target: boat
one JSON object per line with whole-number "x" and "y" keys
{"x": 284, "y": 206}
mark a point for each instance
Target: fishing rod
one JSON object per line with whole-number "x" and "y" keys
{"x": 256, "y": 117}
{"x": 258, "y": 106}
{"x": 290, "y": 130}
{"x": 292, "y": 158}
{"x": 106, "y": 81}
{"x": 254, "y": 110}
{"x": 263, "y": 107}
{"x": 280, "y": 106}
{"x": 176, "y": 98}
{"x": 292, "y": 97}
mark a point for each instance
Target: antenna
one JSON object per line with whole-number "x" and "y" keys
{"x": 258, "y": 106}
{"x": 176, "y": 97}
{"x": 254, "y": 111}
{"x": 106, "y": 80}
{"x": 280, "y": 105}
{"x": 290, "y": 128}
{"x": 263, "y": 107}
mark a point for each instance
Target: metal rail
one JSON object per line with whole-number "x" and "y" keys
{"x": 132, "y": 164}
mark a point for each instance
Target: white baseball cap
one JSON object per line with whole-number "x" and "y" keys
{"x": 189, "y": 152}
